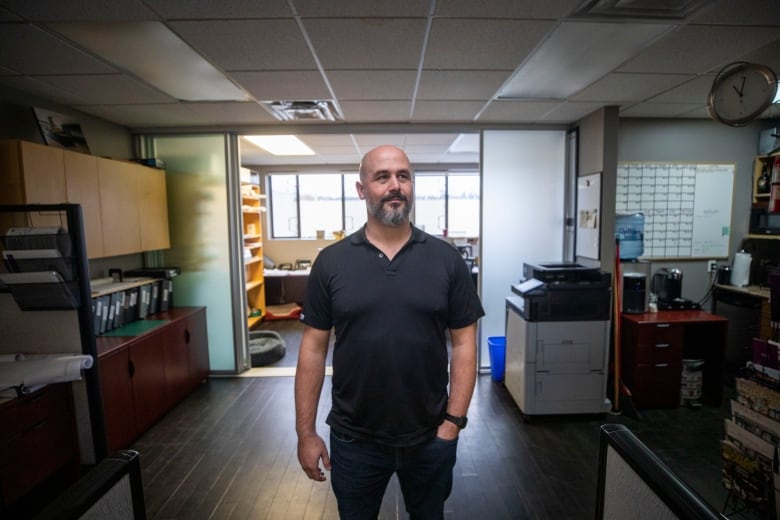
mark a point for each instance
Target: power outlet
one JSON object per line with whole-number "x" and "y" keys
{"x": 712, "y": 265}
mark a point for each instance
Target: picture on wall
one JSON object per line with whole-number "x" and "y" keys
{"x": 588, "y": 215}
{"x": 61, "y": 130}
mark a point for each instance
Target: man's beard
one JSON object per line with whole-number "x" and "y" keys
{"x": 388, "y": 215}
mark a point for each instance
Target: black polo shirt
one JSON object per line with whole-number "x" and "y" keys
{"x": 390, "y": 319}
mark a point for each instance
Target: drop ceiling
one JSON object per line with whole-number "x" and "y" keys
{"x": 415, "y": 73}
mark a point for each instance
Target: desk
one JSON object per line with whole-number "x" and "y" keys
{"x": 653, "y": 346}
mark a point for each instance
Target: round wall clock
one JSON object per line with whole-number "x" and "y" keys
{"x": 741, "y": 92}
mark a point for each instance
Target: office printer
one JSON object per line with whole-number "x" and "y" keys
{"x": 563, "y": 292}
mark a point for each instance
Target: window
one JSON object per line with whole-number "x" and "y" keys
{"x": 447, "y": 202}
{"x": 302, "y": 204}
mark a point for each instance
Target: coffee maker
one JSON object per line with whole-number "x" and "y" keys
{"x": 667, "y": 287}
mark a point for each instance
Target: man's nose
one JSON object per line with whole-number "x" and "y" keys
{"x": 394, "y": 183}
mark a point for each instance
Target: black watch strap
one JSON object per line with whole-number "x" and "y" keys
{"x": 460, "y": 422}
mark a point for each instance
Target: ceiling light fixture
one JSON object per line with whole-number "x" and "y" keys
{"x": 156, "y": 55}
{"x": 280, "y": 144}
{"x": 583, "y": 51}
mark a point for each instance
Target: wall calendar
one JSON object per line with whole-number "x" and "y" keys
{"x": 687, "y": 206}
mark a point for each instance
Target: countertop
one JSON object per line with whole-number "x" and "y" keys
{"x": 754, "y": 290}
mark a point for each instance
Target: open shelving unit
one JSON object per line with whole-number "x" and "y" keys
{"x": 252, "y": 210}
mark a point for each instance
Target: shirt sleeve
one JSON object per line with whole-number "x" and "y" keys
{"x": 316, "y": 304}
{"x": 464, "y": 303}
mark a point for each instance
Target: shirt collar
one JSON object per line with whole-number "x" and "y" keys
{"x": 359, "y": 236}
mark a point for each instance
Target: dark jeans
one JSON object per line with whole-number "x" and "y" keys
{"x": 361, "y": 470}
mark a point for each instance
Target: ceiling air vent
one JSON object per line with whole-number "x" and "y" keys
{"x": 640, "y": 9}
{"x": 302, "y": 110}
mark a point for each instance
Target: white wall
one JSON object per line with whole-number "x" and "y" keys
{"x": 522, "y": 214}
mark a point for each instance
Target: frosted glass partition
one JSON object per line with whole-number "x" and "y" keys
{"x": 196, "y": 174}
{"x": 523, "y": 175}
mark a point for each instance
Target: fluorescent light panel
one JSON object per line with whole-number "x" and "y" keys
{"x": 583, "y": 51}
{"x": 156, "y": 55}
{"x": 280, "y": 144}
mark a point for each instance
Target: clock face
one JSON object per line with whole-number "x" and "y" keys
{"x": 742, "y": 94}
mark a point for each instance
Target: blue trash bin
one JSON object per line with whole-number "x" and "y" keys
{"x": 497, "y": 348}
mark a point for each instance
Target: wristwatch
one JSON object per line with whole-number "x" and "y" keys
{"x": 460, "y": 422}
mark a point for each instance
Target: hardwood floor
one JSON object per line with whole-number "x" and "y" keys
{"x": 229, "y": 451}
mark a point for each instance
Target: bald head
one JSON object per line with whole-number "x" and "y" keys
{"x": 373, "y": 159}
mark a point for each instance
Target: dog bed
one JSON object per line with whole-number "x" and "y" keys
{"x": 266, "y": 347}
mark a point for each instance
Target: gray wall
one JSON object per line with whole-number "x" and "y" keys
{"x": 17, "y": 121}
{"x": 678, "y": 140}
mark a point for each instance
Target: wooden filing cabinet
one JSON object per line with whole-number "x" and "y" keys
{"x": 653, "y": 345}
{"x": 652, "y": 356}
{"x": 142, "y": 377}
{"x": 38, "y": 442}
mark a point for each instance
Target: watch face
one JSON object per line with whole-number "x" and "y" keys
{"x": 742, "y": 94}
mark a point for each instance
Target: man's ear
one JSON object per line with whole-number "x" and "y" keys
{"x": 360, "y": 189}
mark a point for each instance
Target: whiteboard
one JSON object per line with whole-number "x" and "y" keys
{"x": 687, "y": 206}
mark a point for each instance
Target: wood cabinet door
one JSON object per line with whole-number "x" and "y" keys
{"x": 81, "y": 179}
{"x": 177, "y": 362}
{"x": 148, "y": 376}
{"x": 117, "y": 399}
{"x": 119, "y": 207}
{"x": 198, "y": 341}
{"x": 43, "y": 170}
{"x": 152, "y": 208}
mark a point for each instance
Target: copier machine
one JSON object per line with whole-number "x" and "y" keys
{"x": 557, "y": 339}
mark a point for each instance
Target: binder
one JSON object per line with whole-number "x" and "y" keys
{"x": 144, "y": 297}
{"x": 154, "y": 302}
{"x": 165, "y": 296}
{"x": 132, "y": 309}
{"x": 105, "y": 312}
{"x": 97, "y": 313}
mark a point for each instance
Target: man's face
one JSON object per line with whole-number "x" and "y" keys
{"x": 387, "y": 186}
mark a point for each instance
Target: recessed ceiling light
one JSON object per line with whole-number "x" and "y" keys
{"x": 280, "y": 144}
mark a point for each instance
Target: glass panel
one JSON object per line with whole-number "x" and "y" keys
{"x": 354, "y": 206}
{"x": 429, "y": 203}
{"x": 463, "y": 205}
{"x": 284, "y": 206}
{"x": 196, "y": 175}
{"x": 320, "y": 204}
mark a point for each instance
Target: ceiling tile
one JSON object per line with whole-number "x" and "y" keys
{"x": 372, "y": 84}
{"x": 526, "y": 9}
{"x": 367, "y": 43}
{"x": 517, "y": 111}
{"x": 460, "y": 84}
{"x": 658, "y": 110}
{"x": 482, "y": 44}
{"x": 208, "y": 9}
{"x": 570, "y": 111}
{"x": 619, "y": 87}
{"x": 137, "y": 116}
{"x": 444, "y": 111}
{"x": 729, "y": 12}
{"x": 82, "y": 10}
{"x": 699, "y": 49}
{"x": 7, "y": 16}
{"x": 366, "y": 111}
{"x": 283, "y": 85}
{"x": 693, "y": 91}
{"x": 108, "y": 89}
{"x": 362, "y": 8}
{"x": 36, "y": 52}
{"x": 41, "y": 89}
{"x": 249, "y": 44}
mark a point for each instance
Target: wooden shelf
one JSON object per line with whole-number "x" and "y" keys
{"x": 763, "y": 237}
{"x": 252, "y": 210}
{"x": 253, "y": 284}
